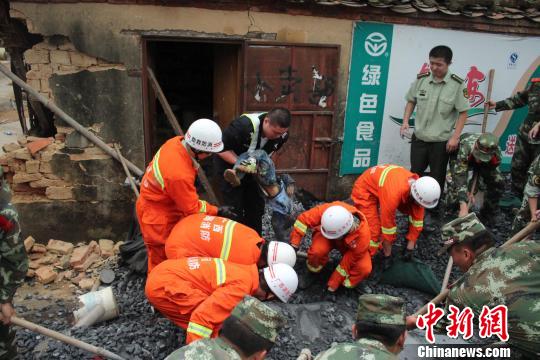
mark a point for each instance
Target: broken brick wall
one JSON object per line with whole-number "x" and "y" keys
{"x": 67, "y": 180}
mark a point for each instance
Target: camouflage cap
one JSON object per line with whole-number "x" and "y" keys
{"x": 381, "y": 309}
{"x": 485, "y": 147}
{"x": 459, "y": 230}
{"x": 260, "y": 318}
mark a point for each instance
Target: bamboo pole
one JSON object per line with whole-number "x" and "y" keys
{"x": 126, "y": 170}
{"x": 488, "y": 98}
{"x": 178, "y": 131}
{"x": 65, "y": 338}
{"x": 68, "y": 119}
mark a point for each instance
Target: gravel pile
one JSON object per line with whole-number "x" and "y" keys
{"x": 317, "y": 318}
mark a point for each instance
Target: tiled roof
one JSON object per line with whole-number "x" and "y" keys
{"x": 492, "y": 9}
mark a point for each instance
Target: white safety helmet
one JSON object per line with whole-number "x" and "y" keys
{"x": 426, "y": 191}
{"x": 336, "y": 221}
{"x": 282, "y": 280}
{"x": 280, "y": 253}
{"x": 204, "y": 135}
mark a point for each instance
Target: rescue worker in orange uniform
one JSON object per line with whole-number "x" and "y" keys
{"x": 382, "y": 190}
{"x": 336, "y": 225}
{"x": 168, "y": 190}
{"x": 199, "y": 293}
{"x": 219, "y": 237}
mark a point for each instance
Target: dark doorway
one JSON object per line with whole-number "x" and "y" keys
{"x": 199, "y": 80}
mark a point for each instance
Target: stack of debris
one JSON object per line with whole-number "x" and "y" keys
{"x": 61, "y": 260}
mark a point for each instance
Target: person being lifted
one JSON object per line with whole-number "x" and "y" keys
{"x": 382, "y": 190}
{"x": 168, "y": 191}
{"x": 336, "y": 225}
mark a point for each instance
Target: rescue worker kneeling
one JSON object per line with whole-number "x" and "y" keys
{"x": 249, "y": 333}
{"x": 199, "y": 293}
{"x": 336, "y": 225}
{"x": 219, "y": 237}
{"x": 379, "y": 332}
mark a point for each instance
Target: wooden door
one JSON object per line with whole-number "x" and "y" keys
{"x": 303, "y": 79}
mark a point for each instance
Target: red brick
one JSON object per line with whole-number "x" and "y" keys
{"x": 46, "y": 274}
{"x": 107, "y": 248}
{"x": 60, "y": 247}
{"x": 37, "y": 145}
{"x": 79, "y": 255}
{"x": 39, "y": 248}
{"x": 28, "y": 243}
{"x": 92, "y": 258}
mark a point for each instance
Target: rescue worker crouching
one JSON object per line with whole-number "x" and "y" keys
{"x": 383, "y": 190}
{"x": 199, "y": 293}
{"x": 336, "y": 225}
{"x": 219, "y": 237}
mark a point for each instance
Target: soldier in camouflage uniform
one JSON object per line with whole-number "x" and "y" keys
{"x": 379, "y": 331}
{"x": 250, "y": 332}
{"x": 480, "y": 153}
{"x": 529, "y": 205}
{"x": 13, "y": 267}
{"x": 525, "y": 151}
{"x": 496, "y": 276}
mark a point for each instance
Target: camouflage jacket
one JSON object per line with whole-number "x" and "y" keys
{"x": 532, "y": 188}
{"x": 362, "y": 349}
{"x": 529, "y": 97}
{"x": 463, "y": 163}
{"x": 13, "y": 259}
{"x": 205, "y": 349}
{"x": 509, "y": 276}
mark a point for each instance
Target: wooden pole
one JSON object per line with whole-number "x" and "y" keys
{"x": 60, "y": 113}
{"x": 488, "y": 98}
{"x": 65, "y": 338}
{"x": 126, "y": 170}
{"x": 178, "y": 131}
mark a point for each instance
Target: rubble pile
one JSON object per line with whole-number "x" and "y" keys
{"x": 60, "y": 260}
{"x": 317, "y": 318}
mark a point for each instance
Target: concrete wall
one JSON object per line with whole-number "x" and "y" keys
{"x": 113, "y": 33}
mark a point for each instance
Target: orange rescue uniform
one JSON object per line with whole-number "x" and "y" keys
{"x": 168, "y": 194}
{"x": 378, "y": 193}
{"x": 214, "y": 236}
{"x": 355, "y": 265}
{"x": 199, "y": 293}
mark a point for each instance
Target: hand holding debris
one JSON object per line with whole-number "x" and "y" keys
{"x": 6, "y": 313}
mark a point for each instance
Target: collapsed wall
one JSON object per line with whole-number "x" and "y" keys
{"x": 66, "y": 179}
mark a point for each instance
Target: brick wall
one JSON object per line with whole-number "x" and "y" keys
{"x": 57, "y": 55}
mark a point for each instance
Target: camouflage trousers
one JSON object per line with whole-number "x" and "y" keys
{"x": 8, "y": 348}
{"x": 490, "y": 180}
{"x": 524, "y": 154}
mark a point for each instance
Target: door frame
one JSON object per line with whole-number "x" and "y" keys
{"x": 149, "y": 111}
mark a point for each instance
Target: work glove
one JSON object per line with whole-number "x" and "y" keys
{"x": 407, "y": 255}
{"x": 227, "y": 211}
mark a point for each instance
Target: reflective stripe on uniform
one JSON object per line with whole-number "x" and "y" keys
{"x": 347, "y": 283}
{"x": 221, "y": 274}
{"x": 389, "y": 231}
{"x": 227, "y": 239}
{"x": 314, "y": 269}
{"x": 256, "y": 122}
{"x": 416, "y": 223}
{"x": 385, "y": 173}
{"x": 202, "y": 206}
{"x": 300, "y": 226}
{"x": 373, "y": 243}
{"x": 157, "y": 172}
{"x": 200, "y": 330}
{"x": 342, "y": 271}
